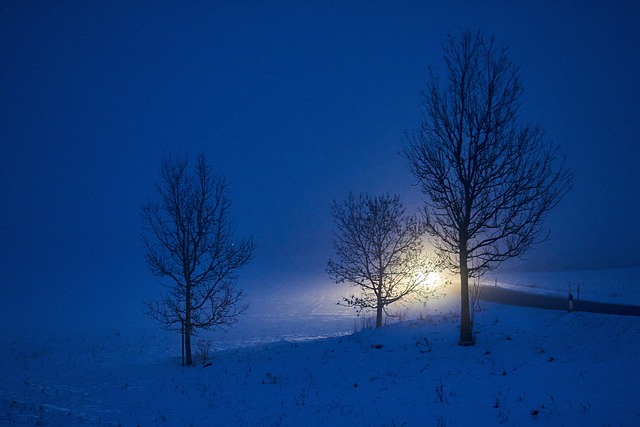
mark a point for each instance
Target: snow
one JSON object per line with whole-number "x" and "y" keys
{"x": 301, "y": 363}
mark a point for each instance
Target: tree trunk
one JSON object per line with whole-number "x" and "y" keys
{"x": 182, "y": 340}
{"x": 466, "y": 337}
{"x": 379, "y": 301}
{"x": 188, "y": 327}
{"x": 187, "y": 344}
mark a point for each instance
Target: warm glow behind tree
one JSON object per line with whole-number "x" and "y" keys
{"x": 379, "y": 250}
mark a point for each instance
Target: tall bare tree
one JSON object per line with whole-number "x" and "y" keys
{"x": 490, "y": 180}
{"x": 379, "y": 250}
{"x": 190, "y": 241}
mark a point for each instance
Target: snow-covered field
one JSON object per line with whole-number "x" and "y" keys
{"x": 306, "y": 366}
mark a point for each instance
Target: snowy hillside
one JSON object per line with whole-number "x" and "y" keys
{"x": 529, "y": 367}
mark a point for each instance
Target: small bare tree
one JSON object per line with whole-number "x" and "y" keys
{"x": 490, "y": 180}
{"x": 379, "y": 250}
{"x": 189, "y": 240}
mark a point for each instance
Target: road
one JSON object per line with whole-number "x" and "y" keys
{"x": 512, "y": 297}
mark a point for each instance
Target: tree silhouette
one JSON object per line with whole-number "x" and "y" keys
{"x": 379, "y": 250}
{"x": 490, "y": 180}
{"x": 190, "y": 241}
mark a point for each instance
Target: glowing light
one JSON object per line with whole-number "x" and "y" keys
{"x": 428, "y": 279}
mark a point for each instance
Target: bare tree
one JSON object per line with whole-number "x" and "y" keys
{"x": 490, "y": 180}
{"x": 190, "y": 241}
{"x": 379, "y": 250}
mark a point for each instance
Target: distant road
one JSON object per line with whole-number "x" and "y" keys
{"x": 512, "y": 297}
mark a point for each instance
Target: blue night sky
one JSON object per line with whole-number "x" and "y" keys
{"x": 295, "y": 103}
